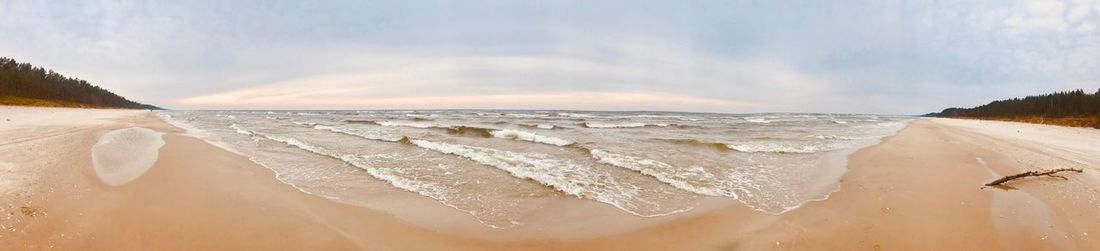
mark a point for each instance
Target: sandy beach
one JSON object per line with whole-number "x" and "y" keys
{"x": 920, "y": 189}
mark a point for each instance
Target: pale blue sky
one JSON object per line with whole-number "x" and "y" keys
{"x": 897, "y": 57}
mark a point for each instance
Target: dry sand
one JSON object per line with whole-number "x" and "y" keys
{"x": 918, "y": 190}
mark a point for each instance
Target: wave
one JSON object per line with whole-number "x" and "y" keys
{"x": 613, "y": 125}
{"x": 303, "y": 123}
{"x": 440, "y": 192}
{"x": 757, "y": 187}
{"x": 833, "y": 137}
{"x": 600, "y": 125}
{"x": 525, "y": 115}
{"x": 761, "y": 147}
{"x": 240, "y": 130}
{"x": 373, "y": 135}
{"x": 414, "y": 115}
{"x": 699, "y": 143}
{"x": 486, "y": 114}
{"x": 528, "y": 136}
{"x": 760, "y": 120}
{"x": 655, "y": 116}
{"x": 693, "y": 179}
{"x": 360, "y": 121}
{"x": 459, "y": 130}
{"x": 179, "y": 123}
{"x": 562, "y": 175}
{"x": 405, "y": 124}
{"x": 774, "y": 148}
{"x": 575, "y": 115}
{"x": 470, "y": 130}
{"x": 540, "y": 126}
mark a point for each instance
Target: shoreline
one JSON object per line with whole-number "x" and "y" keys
{"x": 225, "y": 201}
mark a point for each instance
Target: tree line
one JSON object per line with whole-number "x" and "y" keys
{"x": 23, "y": 80}
{"x": 1076, "y": 104}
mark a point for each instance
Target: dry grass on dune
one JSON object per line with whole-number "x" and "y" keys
{"x": 1082, "y": 121}
{"x": 1093, "y": 122}
{"x": 21, "y": 101}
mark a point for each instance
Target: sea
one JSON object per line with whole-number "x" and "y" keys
{"x": 493, "y": 164}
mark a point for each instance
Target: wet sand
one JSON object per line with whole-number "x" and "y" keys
{"x": 918, "y": 190}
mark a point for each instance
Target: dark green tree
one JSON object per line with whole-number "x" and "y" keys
{"x": 27, "y": 81}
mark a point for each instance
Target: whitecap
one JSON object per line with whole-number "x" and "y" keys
{"x": 528, "y": 136}
{"x": 613, "y": 125}
{"x": 406, "y": 124}
{"x": 367, "y": 134}
{"x": 773, "y": 148}
{"x": 757, "y": 120}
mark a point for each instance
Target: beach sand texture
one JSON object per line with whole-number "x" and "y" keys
{"x": 920, "y": 189}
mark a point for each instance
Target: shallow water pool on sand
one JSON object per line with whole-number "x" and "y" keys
{"x": 122, "y": 155}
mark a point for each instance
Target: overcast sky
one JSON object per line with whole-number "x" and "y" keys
{"x": 904, "y": 57}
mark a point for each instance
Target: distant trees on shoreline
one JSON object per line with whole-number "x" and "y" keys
{"x": 1075, "y": 108}
{"x": 20, "y": 81}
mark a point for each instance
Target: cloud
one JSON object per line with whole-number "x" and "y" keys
{"x": 645, "y": 71}
{"x": 731, "y": 56}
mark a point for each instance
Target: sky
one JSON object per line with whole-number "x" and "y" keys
{"x": 883, "y": 57}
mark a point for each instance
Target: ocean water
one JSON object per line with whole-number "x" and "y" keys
{"x": 493, "y": 164}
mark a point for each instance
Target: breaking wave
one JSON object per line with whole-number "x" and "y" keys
{"x": 528, "y": 136}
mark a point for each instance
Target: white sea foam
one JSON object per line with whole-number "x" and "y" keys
{"x": 367, "y": 134}
{"x": 240, "y": 130}
{"x": 193, "y": 131}
{"x": 575, "y": 115}
{"x": 544, "y": 126}
{"x": 832, "y": 137}
{"x": 757, "y": 120}
{"x": 563, "y": 175}
{"x": 525, "y": 115}
{"x": 187, "y": 128}
{"x": 304, "y": 123}
{"x": 694, "y": 179}
{"x": 443, "y": 193}
{"x": 122, "y": 155}
{"x": 613, "y": 125}
{"x": 528, "y": 136}
{"x": 655, "y": 116}
{"x": 414, "y": 115}
{"x": 768, "y": 147}
{"x": 407, "y": 124}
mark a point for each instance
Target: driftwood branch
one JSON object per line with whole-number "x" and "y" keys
{"x": 1049, "y": 173}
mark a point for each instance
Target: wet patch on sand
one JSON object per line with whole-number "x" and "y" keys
{"x": 122, "y": 155}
